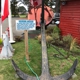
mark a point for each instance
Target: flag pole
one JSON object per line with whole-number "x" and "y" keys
{"x": 1, "y": 21}
{"x": 1, "y": 29}
{"x": 10, "y": 25}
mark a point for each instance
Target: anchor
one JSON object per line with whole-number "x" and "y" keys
{"x": 45, "y": 75}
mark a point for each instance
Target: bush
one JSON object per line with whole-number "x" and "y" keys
{"x": 48, "y": 38}
{"x": 73, "y": 44}
{"x": 1, "y": 41}
{"x": 67, "y": 41}
{"x": 56, "y": 29}
{"x": 18, "y": 38}
{"x": 56, "y": 35}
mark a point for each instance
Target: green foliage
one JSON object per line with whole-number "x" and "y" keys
{"x": 56, "y": 29}
{"x": 1, "y": 41}
{"x": 73, "y": 44}
{"x": 69, "y": 42}
{"x": 14, "y": 8}
{"x": 66, "y": 42}
{"x": 26, "y": 1}
{"x": 46, "y": 2}
{"x": 56, "y": 35}
{"x": 18, "y": 38}
{"x": 67, "y": 39}
{"x": 49, "y": 30}
{"x": 56, "y": 66}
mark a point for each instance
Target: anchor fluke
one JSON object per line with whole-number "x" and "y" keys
{"x": 21, "y": 74}
{"x": 68, "y": 74}
{"x": 65, "y": 76}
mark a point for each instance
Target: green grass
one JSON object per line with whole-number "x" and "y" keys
{"x": 57, "y": 66}
{"x": 23, "y": 16}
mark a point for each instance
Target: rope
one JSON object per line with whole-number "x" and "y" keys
{"x": 60, "y": 52}
{"x": 31, "y": 69}
{"x": 30, "y": 47}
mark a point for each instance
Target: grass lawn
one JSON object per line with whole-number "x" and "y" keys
{"x": 23, "y": 16}
{"x": 57, "y": 66}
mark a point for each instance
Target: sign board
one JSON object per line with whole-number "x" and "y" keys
{"x": 25, "y": 25}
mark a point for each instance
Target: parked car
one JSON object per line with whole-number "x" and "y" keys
{"x": 56, "y": 19}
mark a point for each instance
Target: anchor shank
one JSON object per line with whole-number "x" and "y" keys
{"x": 45, "y": 68}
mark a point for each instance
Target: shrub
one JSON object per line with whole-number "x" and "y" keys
{"x": 48, "y": 38}
{"x": 18, "y": 38}
{"x": 56, "y": 35}
{"x": 1, "y": 41}
{"x": 73, "y": 44}
{"x": 67, "y": 41}
{"x": 56, "y": 29}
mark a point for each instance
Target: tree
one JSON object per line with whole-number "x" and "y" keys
{"x": 51, "y": 2}
{"x": 26, "y": 1}
{"x": 57, "y": 8}
{"x": 22, "y": 10}
{"x": 14, "y": 8}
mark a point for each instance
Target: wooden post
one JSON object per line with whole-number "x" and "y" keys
{"x": 26, "y": 45}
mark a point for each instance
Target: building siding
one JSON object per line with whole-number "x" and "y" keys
{"x": 70, "y": 19}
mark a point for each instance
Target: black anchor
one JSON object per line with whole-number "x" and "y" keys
{"x": 45, "y": 75}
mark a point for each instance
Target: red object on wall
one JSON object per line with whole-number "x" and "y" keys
{"x": 70, "y": 18}
{"x": 35, "y": 14}
{"x": 35, "y": 3}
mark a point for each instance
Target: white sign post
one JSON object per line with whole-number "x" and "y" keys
{"x": 26, "y": 25}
